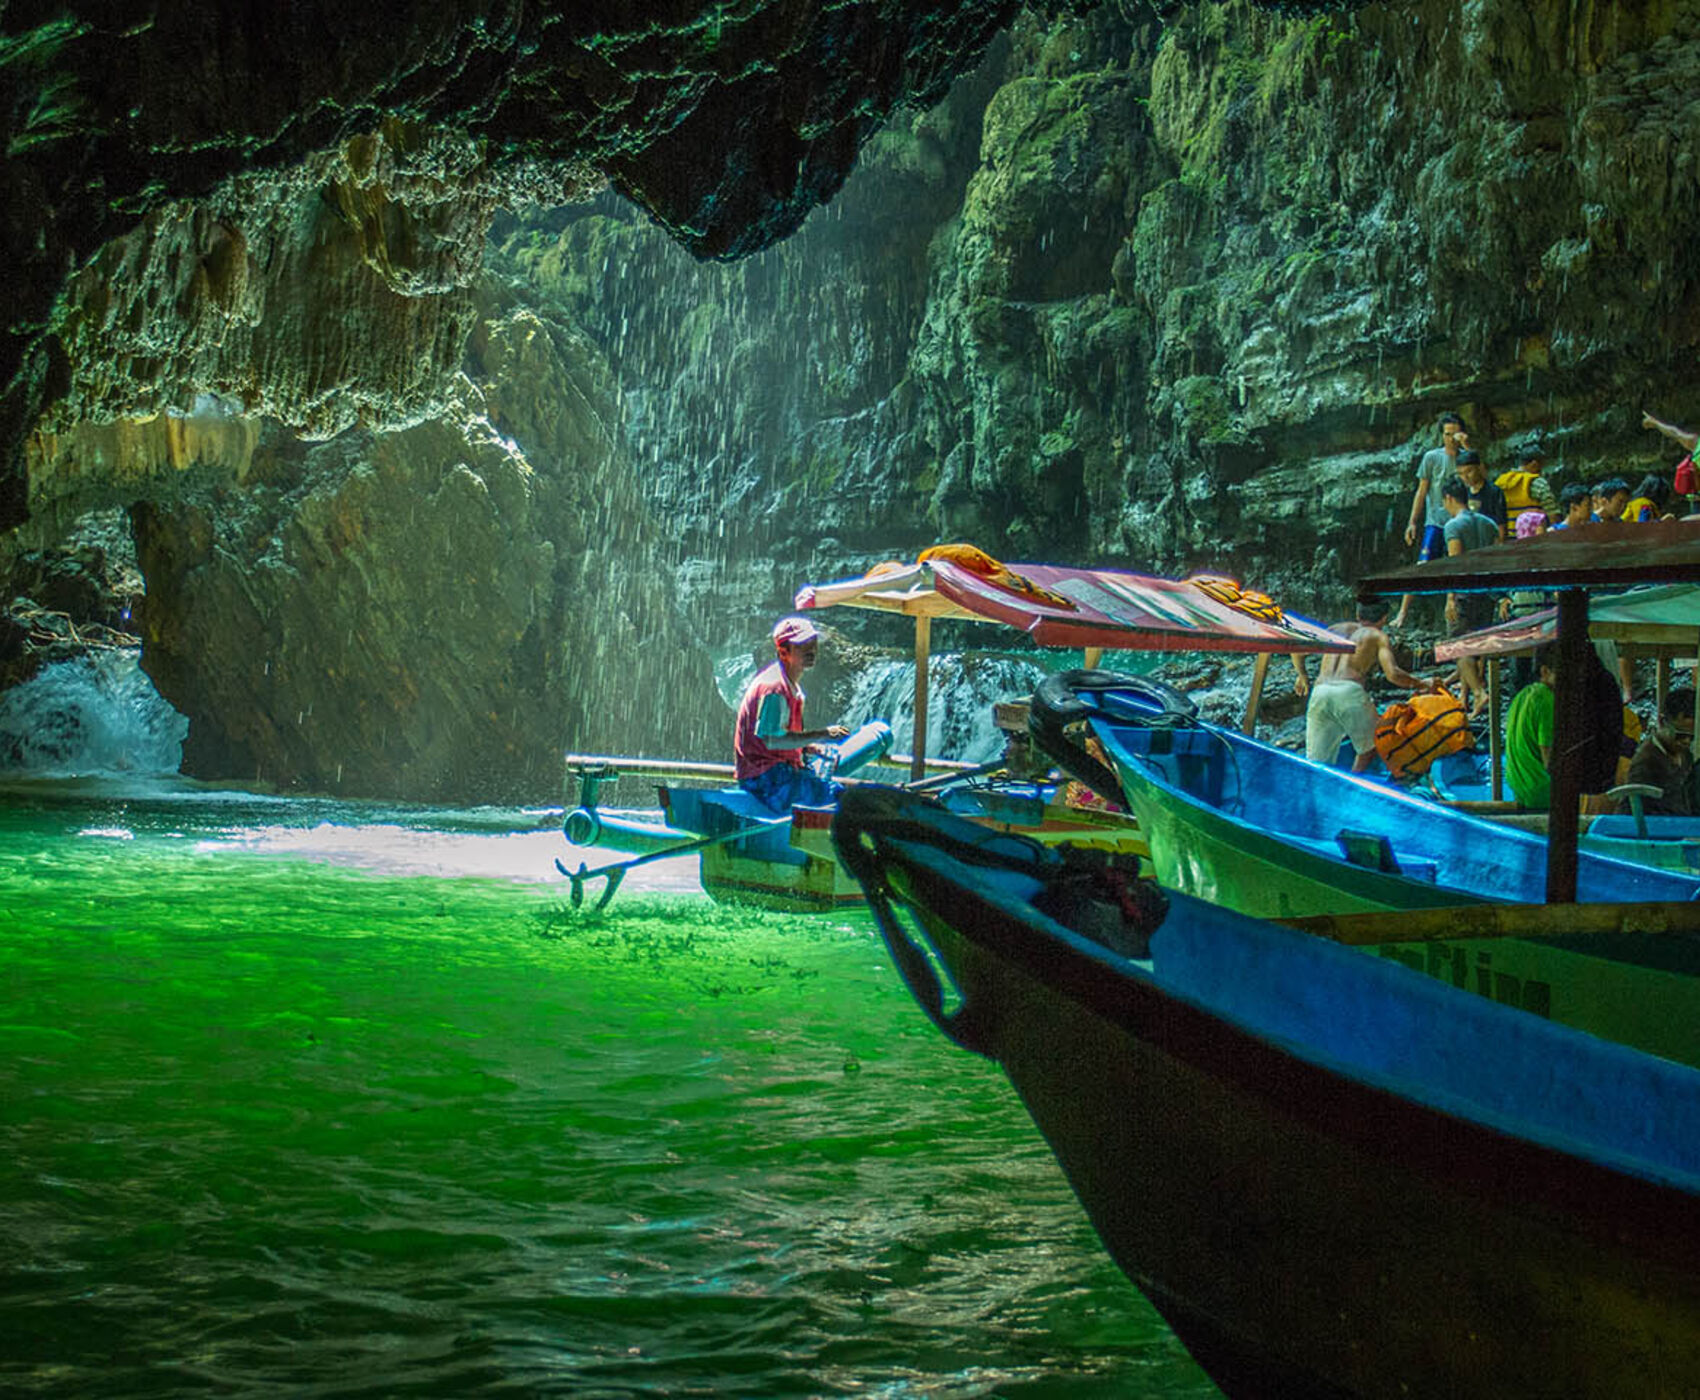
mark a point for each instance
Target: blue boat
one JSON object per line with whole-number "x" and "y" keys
{"x": 1264, "y": 832}
{"x": 1334, "y": 1177}
{"x": 1267, "y": 832}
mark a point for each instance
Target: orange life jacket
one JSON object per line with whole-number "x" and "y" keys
{"x": 1412, "y": 733}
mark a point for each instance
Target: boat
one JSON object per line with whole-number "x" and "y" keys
{"x": 1332, "y": 1176}
{"x": 1265, "y": 831}
{"x": 749, "y": 855}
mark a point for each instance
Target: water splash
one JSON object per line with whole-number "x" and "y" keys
{"x": 961, "y": 691}
{"x": 95, "y": 714}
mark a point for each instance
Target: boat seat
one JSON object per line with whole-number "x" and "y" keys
{"x": 1621, "y": 826}
{"x": 1142, "y": 739}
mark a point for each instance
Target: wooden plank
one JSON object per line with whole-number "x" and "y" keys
{"x": 685, "y": 770}
{"x": 1588, "y": 556}
{"x": 624, "y": 766}
{"x": 1570, "y": 739}
{"x": 1501, "y": 921}
{"x": 923, "y": 655}
{"x": 1259, "y": 673}
{"x": 1496, "y": 748}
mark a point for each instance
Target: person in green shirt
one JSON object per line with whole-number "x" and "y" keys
{"x": 1529, "y": 737}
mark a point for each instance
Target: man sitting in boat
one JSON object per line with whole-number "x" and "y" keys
{"x": 1531, "y": 728}
{"x": 1664, "y": 759}
{"x": 1340, "y": 707}
{"x": 769, "y": 743}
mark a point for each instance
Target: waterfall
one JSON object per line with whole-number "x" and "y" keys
{"x": 962, "y": 687}
{"x": 97, "y": 713}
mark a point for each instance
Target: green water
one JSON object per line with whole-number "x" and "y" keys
{"x": 291, "y": 1104}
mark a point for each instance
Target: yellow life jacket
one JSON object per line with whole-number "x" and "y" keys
{"x": 1412, "y": 733}
{"x": 1515, "y": 485}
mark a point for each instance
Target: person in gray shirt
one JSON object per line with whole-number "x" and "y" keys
{"x": 1465, "y": 530}
{"x": 1437, "y": 466}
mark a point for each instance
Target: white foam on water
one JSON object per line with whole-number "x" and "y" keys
{"x": 94, "y": 714}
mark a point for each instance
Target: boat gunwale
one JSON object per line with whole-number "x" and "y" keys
{"x": 1597, "y": 1191}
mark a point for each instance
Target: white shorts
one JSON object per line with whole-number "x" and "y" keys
{"x": 1338, "y": 709}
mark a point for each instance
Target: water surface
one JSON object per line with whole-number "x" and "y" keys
{"x": 314, "y": 1099}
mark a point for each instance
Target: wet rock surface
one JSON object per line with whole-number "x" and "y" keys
{"x": 726, "y": 123}
{"x": 1173, "y": 287}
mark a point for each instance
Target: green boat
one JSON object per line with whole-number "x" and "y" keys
{"x": 1253, "y": 828}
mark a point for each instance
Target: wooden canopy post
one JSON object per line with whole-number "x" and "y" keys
{"x": 1249, "y": 724}
{"x": 1570, "y": 738}
{"x": 923, "y": 650}
{"x": 1661, "y": 685}
{"x": 1092, "y": 658}
{"x": 1496, "y": 745}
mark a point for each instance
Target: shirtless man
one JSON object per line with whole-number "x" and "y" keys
{"x": 1340, "y": 707}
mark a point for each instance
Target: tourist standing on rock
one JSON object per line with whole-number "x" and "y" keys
{"x": 1340, "y": 707}
{"x": 1525, "y": 486}
{"x": 1465, "y": 612}
{"x": 769, "y": 743}
{"x": 1485, "y": 498}
{"x": 1687, "y": 480}
{"x": 1438, "y": 465}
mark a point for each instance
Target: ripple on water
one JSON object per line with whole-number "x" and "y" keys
{"x": 278, "y": 1122}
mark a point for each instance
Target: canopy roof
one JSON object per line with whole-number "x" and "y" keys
{"x": 1660, "y": 617}
{"x": 1603, "y": 555}
{"x": 1059, "y": 606}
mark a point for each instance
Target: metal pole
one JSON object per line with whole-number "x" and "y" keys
{"x": 1249, "y": 724}
{"x": 923, "y": 649}
{"x": 1570, "y": 738}
{"x": 1496, "y": 747}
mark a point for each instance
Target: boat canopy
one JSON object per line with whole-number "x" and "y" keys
{"x": 1064, "y": 606}
{"x": 1663, "y": 619}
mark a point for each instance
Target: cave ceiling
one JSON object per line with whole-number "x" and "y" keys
{"x": 165, "y": 160}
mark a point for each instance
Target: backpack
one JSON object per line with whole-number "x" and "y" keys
{"x": 1515, "y": 485}
{"x": 1412, "y": 733}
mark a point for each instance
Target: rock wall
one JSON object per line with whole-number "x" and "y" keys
{"x": 727, "y": 123}
{"x": 432, "y": 613}
{"x": 418, "y": 509}
{"x": 1182, "y": 294}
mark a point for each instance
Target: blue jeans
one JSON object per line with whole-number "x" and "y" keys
{"x": 782, "y": 787}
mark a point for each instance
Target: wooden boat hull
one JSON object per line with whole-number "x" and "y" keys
{"x": 794, "y": 869}
{"x": 1312, "y": 1223}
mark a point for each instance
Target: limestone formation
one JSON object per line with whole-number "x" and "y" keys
{"x": 467, "y": 383}
{"x": 727, "y": 123}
